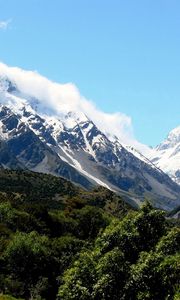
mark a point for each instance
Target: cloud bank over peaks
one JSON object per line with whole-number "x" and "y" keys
{"x": 60, "y": 99}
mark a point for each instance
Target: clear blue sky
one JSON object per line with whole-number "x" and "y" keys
{"x": 122, "y": 54}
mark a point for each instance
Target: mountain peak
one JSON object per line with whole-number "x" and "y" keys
{"x": 55, "y": 130}
{"x": 174, "y": 134}
{"x": 172, "y": 139}
{"x": 167, "y": 155}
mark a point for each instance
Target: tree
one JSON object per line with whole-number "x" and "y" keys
{"x": 151, "y": 226}
{"x": 170, "y": 243}
{"x": 28, "y": 258}
{"x": 90, "y": 221}
{"x": 79, "y": 279}
{"x": 111, "y": 272}
{"x": 118, "y": 268}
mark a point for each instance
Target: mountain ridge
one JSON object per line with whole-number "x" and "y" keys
{"x": 71, "y": 145}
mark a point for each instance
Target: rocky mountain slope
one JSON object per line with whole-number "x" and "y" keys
{"x": 69, "y": 144}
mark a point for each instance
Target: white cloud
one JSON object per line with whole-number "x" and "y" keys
{"x": 61, "y": 98}
{"x": 4, "y": 24}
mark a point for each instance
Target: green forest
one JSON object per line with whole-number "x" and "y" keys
{"x": 60, "y": 242}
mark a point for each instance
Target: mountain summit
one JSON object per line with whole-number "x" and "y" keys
{"x": 40, "y": 130}
{"x": 167, "y": 155}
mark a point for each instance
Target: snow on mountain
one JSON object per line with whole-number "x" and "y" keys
{"x": 47, "y": 132}
{"x": 167, "y": 155}
{"x": 59, "y": 99}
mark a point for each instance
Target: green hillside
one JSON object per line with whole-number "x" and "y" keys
{"x": 58, "y": 241}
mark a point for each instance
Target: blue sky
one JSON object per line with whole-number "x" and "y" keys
{"x": 123, "y": 55}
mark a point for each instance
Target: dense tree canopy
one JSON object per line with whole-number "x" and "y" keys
{"x": 68, "y": 244}
{"x": 135, "y": 258}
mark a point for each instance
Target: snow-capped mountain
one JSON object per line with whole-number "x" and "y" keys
{"x": 167, "y": 155}
{"x": 69, "y": 144}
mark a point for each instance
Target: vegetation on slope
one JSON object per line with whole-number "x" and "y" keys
{"x": 58, "y": 241}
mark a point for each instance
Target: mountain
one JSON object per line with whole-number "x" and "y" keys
{"x": 167, "y": 155}
{"x": 68, "y": 143}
